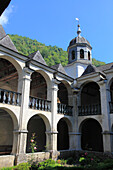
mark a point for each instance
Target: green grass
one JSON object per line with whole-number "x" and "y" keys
{"x": 85, "y": 164}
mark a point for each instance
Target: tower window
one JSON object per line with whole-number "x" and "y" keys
{"x": 73, "y": 55}
{"x": 88, "y": 55}
{"x": 81, "y": 54}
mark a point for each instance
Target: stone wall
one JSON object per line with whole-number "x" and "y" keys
{"x": 7, "y": 161}
{"x": 32, "y": 157}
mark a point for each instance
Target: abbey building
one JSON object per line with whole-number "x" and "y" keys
{"x": 68, "y": 108}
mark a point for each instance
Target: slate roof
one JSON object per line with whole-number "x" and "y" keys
{"x": 93, "y": 69}
{"x": 37, "y": 57}
{"x": 105, "y": 67}
{"x": 2, "y": 32}
{"x": 5, "y": 40}
{"x": 59, "y": 67}
{"x": 77, "y": 40}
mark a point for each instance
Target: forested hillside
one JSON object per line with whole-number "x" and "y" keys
{"x": 52, "y": 55}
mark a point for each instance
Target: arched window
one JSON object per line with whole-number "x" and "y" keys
{"x": 81, "y": 54}
{"x": 88, "y": 55}
{"x": 73, "y": 55}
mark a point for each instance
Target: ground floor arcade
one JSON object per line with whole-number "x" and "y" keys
{"x": 90, "y": 134}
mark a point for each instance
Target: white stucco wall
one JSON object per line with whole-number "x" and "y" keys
{"x": 75, "y": 70}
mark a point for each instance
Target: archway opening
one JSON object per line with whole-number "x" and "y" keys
{"x": 90, "y": 94}
{"x": 63, "y": 135}
{"x": 112, "y": 139}
{"x": 36, "y": 125}
{"x": 88, "y": 55}
{"x": 8, "y": 76}
{"x": 6, "y": 132}
{"x": 73, "y": 55}
{"x": 38, "y": 86}
{"x": 81, "y": 54}
{"x": 62, "y": 94}
{"x": 111, "y": 91}
{"x": 91, "y": 138}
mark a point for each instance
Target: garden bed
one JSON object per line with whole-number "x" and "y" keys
{"x": 85, "y": 161}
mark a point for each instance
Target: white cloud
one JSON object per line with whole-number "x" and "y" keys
{"x": 5, "y": 16}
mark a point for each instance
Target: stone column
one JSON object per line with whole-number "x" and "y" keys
{"x": 54, "y": 114}
{"x": 70, "y": 100}
{"x": 104, "y": 96}
{"x": 22, "y": 131}
{"x": 75, "y": 136}
{"x": 19, "y": 142}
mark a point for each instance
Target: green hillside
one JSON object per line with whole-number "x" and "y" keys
{"x": 52, "y": 55}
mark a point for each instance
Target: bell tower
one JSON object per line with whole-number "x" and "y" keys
{"x": 79, "y": 55}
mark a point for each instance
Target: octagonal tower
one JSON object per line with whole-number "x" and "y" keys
{"x": 79, "y": 55}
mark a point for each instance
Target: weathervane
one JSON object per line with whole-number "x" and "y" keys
{"x": 79, "y": 30}
{"x": 77, "y": 19}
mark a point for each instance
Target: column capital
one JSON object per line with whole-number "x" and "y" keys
{"x": 74, "y": 133}
{"x": 107, "y": 133}
{"x": 20, "y": 131}
{"x": 102, "y": 82}
{"x": 27, "y": 70}
{"x": 51, "y": 132}
{"x": 55, "y": 81}
{"x": 75, "y": 91}
{"x": 55, "y": 84}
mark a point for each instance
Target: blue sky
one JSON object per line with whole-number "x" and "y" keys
{"x": 52, "y": 22}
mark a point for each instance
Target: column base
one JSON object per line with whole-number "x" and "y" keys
{"x": 54, "y": 154}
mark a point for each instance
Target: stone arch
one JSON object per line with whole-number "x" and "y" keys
{"x": 13, "y": 116}
{"x": 8, "y": 123}
{"x": 64, "y": 126}
{"x": 110, "y": 85}
{"x": 64, "y": 92}
{"x": 112, "y": 138}
{"x": 110, "y": 81}
{"x": 38, "y": 124}
{"x": 90, "y": 91}
{"x": 14, "y": 62}
{"x": 40, "y": 84}
{"x": 68, "y": 86}
{"x": 91, "y": 135}
{"x": 10, "y": 72}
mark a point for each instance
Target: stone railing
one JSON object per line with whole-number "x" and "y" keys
{"x": 10, "y": 97}
{"x": 94, "y": 109}
{"x": 64, "y": 109}
{"x": 111, "y": 107}
{"x": 39, "y": 104}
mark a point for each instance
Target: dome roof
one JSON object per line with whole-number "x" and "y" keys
{"x": 79, "y": 39}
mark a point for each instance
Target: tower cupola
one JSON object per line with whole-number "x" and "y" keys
{"x": 79, "y": 55}
{"x": 79, "y": 49}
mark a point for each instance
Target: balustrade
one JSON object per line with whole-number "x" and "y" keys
{"x": 64, "y": 109}
{"x": 10, "y": 97}
{"x": 39, "y": 104}
{"x": 94, "y": 109}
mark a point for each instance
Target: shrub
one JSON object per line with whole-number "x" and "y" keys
{"x": 70, "y": 161}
